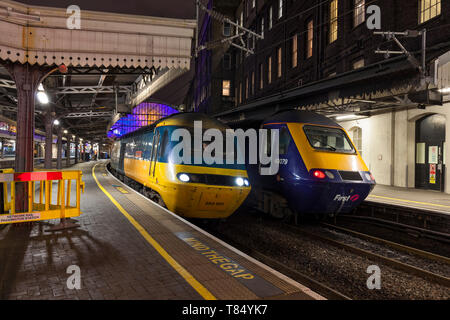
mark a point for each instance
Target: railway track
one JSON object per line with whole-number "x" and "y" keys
{"x": 327, "y": 290}
{"x": 394, "y": 245}
{"x": 418, "y": 231}
{"x": 425, "y": 274}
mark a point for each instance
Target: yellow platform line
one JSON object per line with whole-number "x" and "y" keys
{"x": 197, "y": 286}
{"x": 411, "y": 201}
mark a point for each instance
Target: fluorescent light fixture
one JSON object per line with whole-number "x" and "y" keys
{"x": 445, "y": 90}
{"x": 56, "y": 122}
{"x": 346, "y": 117}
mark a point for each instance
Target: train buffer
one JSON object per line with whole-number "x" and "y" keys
{"x": 40, "y": 203}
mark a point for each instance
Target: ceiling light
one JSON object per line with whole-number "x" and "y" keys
{"x": 42, "y": 97}
{"x": 56, "y": 122}
{"x": 346, "y": 117}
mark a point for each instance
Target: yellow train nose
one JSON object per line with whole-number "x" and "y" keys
{"x": 209, "y": 202}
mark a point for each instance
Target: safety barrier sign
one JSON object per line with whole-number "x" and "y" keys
{"x": 40, "y": 202}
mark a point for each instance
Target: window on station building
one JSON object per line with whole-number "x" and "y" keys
{"x": 280, "y": 9}
{"x": 357, "y": 138}
{"x": 253, "y": 82}
{"x": 227, "y": 61}
{"x": 333, "y": 20}
{"x": 226, "y": 88}
{"x": 359, "y": 13}
{"x": 358, "y": 64}
{"x": 310, "y": 39}
{"x": 246, "y": 88}
{"x": 270, "y": 18}
{"x": 294, "y": 51}
{"x": 280, "y": 63}
{"x": 261, "y": 76}
{"x": 240, "y": 92}
{"x": 262, "y": 27}
{"x": 428, "y": 9}
{"x": 226, "y": 29}
{"x": 269, "y": 70}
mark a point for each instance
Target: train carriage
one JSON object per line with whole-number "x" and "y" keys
{"x": 320, "y": 170}
{"x": 205, "y": 191}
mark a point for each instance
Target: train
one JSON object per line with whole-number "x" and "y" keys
{"x": 144, "y": 160}
{"x": 320, "y": 170}
{"x": 321, "y": 173}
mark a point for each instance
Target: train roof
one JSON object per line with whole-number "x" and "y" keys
{"x": 301, "y": 116}
{"x": 182, "y": 119}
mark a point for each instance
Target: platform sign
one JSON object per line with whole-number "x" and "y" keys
{"x": 258, "y": 285}
{"x": 21, "y": 217}
{"x": 432, "y": 173}
{"x": 433, "y": 154}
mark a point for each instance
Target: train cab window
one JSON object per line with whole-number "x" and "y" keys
{"x": 328, "y": 139}
{"x": 285, "y": 140}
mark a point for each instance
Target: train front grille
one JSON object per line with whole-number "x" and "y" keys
{"x": 350, "y": 176}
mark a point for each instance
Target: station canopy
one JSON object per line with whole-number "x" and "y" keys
{"x": 115, "y": 62}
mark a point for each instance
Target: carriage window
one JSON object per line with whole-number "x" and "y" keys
{"x": 268, "y": 145}
{"x": 329, "y": 139}
{"x": 285, "y": 139}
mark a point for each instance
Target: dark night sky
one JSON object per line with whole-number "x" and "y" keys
{"x": 183, "y": 9}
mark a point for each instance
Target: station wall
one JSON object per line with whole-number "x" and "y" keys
{"x": 389, "y": 141}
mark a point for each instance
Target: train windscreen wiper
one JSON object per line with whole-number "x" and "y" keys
{"x": 325, "y": 145}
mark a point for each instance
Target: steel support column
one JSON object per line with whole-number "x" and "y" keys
{"x": 77, "y": 147}
{"x": 68, "y": 151}
{"x": 59, "y": 149}
{"x": 27, "y": 79}
{"x": 49, "y": 118}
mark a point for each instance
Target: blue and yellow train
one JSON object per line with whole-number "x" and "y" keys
{"x": 320, "y": 170}
{"x": 143, "y": 159}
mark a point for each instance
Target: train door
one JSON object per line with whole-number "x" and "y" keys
{"x": 122, "y": 156}
{"x": 430, "y": 166}
{"x": 153, "y": 158}
{"x": 283, "y": 161}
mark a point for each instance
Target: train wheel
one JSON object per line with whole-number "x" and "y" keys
{"x": 157, "y": 198}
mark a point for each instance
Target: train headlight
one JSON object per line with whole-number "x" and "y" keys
{"x": 246, "y": 182}
{"x": 329, "y": 175}
{"x": 240, "y": 182}
{"x": 183, "y": 177}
